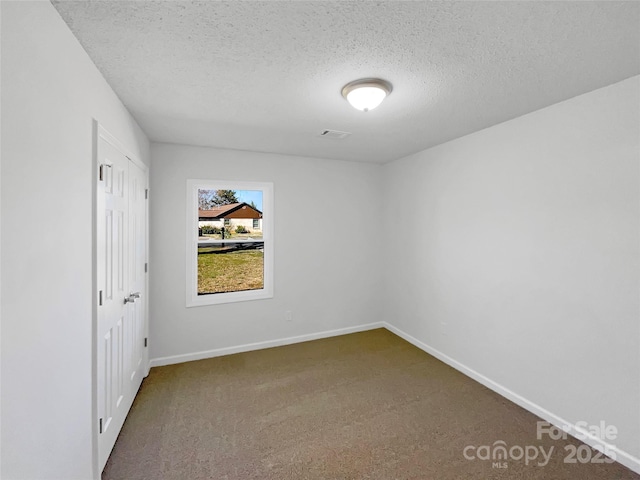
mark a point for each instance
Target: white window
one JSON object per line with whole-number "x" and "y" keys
{"x": 228, "y": 263}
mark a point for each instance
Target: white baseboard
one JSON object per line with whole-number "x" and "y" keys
{"x": 621, "y": 456}
{"x": 218, "y": 352}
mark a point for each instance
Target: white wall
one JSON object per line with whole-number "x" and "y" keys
{"x": 525, "y": 266}
{"x": 50, "y": 93}
{"x": 327, "y": 271}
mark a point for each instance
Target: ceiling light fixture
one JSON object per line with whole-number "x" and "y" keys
{"x": 367, "y": 93}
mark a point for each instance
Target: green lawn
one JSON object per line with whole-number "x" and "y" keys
{"x": 230, "y": 272}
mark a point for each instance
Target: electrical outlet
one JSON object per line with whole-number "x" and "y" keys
{"x": 288, "y": 316}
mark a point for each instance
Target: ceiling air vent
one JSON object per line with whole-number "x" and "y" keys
{"x": 334, "y": 134}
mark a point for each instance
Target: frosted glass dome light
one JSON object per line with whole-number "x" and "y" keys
{"x": 367, "y": 93}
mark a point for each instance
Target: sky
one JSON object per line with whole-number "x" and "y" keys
{"x": 250, "y": 195}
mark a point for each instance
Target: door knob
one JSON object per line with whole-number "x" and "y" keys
{"x": 131, "y": 298}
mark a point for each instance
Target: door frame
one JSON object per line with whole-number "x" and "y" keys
{"x": 99, "y": 131}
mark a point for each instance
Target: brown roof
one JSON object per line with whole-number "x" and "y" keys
{"x": 232, "y": 210}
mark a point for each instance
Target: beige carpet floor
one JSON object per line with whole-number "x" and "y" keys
{"x": 362, "y": 406}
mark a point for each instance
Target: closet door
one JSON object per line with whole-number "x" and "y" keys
{"x": 121, "y": 281}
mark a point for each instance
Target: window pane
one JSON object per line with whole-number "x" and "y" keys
{"x": 230, "y": 242}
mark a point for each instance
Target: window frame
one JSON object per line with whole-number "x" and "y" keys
{"x": 192, "y": 225}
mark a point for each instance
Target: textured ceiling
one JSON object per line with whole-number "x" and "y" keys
{"x": 266, "y": 76}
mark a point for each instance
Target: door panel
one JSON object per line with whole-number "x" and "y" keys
{"x": 137, "y": 275}
{"x": 112, "y": 231}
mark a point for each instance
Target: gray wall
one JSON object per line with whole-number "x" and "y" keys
{"x": 327, "y": 269}
{"x": 51, "y": 91}
{"x": 525, "y": 265}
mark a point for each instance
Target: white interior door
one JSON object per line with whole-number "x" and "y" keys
{"x": 122, "y": 286}
{"x": 137, "y": 274}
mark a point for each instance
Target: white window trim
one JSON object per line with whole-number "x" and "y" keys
{"x": 195, "y": 300}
